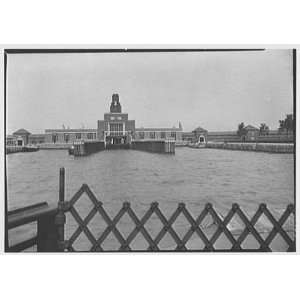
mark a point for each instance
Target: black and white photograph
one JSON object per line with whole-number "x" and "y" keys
{"x": 150, "y": 149}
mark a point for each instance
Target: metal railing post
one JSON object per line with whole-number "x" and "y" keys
{"x": 60, "y": 218}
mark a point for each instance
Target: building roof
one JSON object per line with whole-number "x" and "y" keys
{"x": 37, "y": 135}
{"x": 250, "y": 127}
{"x": 187, "y": 133}
{"x": 69, "y": 130}
{"x": 21, "y": 131}
{"x": 158, "y": 129}
{"x": 199, "y": 129}
{"x": 221, "y": 133}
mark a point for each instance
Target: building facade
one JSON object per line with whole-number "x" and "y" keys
{"x": 198, "y": 135}
{"x": 21, "y": 137}
{"x": 11, "y": 140}
{"x": 69, "y": 136}
{"x": 36, "y": 139}
{"x": 116, "y": 128}
{"x": 251, "y": 133}
{"x": 174, "y": 133}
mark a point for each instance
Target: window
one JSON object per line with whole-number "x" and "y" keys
{"x": 112, "y": 118}
{"x": 66, "y": 137}
{"x": 162, "y": 135}
{"x": 119, "y": 118}
{"x": 78, "y": 136}
{"x": 90, "y": 136}
{"x": 142, "y": 135}
{"x": 152, "y": 135}
{"x": 116, "y": 127}
{"x": 173, "y": 135}
{"x": 54, "y": 138}
{"x": 10, "y": 142}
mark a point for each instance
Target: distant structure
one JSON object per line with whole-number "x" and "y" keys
{"x": 18, "y": 138}
{"x": 69, "y": 136}
{"x": 201, "y": 135}
{"x": 251, "y": 133}
{"x": 22, "y": 137}
{"x": 115, "y": 106}
{"x": 115, "y": 128}
{"x": 171, "y": 133}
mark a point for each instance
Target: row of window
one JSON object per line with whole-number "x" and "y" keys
{"x": 114, "y": 118}
{"x": 116, "y": 127}
{"x": 78, "y": 136}
{"x": 153, "y": 134}
{"x": 10, "y": 142}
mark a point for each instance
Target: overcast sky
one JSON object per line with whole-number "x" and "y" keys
{"x": 214, "y": 90}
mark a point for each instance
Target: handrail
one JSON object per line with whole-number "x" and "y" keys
{"x": 42, "y": 213}
{"x": 29, "y": 214}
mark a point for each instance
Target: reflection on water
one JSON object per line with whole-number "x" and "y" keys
{"x": 193, "y": 176}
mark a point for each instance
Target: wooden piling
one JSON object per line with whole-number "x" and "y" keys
{"x": 60, "y": 218}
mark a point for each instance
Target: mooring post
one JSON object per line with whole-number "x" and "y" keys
{"x": 60, "y": 218}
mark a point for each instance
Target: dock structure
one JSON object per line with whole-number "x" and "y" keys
{"x": 83, "y": 148}
{"x": 258, "y": 147}
{"x": 157, "y": 146}
{"x": 15, "y": 149}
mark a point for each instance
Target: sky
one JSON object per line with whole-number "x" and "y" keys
{"x": 214, "y": 90}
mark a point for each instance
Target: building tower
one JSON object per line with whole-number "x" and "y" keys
{"x": 115, "y": 106}
{"x": 116, "y": 130}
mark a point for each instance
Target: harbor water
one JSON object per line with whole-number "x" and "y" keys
{"x": 192, "y": 176}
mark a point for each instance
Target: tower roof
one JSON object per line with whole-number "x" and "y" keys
{"x": 115, "y": 106}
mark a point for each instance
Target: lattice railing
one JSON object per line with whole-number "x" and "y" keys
{"x": 153, "y": 241}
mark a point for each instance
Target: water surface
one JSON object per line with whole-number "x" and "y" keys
{"x": 192, "y": 176}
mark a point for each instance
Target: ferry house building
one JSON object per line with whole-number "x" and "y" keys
{"x": 115, "y": 128}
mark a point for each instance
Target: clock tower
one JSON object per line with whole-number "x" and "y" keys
{"x": 115, "y": 106}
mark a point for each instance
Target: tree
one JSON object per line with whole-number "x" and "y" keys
{"x": 287, "y": 125}
{"x": 241, "y": 132}
{"x": 263, "y": 129}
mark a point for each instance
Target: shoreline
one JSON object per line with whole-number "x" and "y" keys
{"x": 256, "y": 147}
